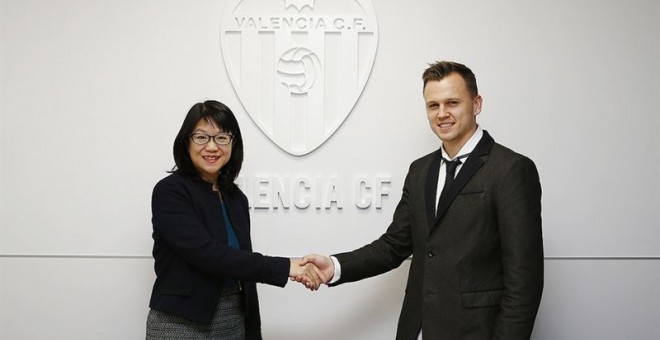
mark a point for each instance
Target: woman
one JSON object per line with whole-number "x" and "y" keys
{"x": 205, "y": 268}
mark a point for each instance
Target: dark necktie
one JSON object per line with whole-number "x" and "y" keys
{"x": 451, "y": 173}
{"x": 449, "y": 177}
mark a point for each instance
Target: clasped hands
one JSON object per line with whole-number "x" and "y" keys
{"x": 312, "y": 270}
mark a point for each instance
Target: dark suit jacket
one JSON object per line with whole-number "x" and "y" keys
{"x": 477, "y": 268}
{"x": 192, "y": 257}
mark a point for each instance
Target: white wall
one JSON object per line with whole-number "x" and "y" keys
{"x": 93, "y": 93}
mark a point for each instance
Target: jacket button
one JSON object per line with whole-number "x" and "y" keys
{"x": 430, "y": 254}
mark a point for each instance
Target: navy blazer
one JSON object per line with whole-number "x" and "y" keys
{"x": 477, "y": 267}
{"x": 192, "y": 257}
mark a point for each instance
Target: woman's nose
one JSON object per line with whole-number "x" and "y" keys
{"x": 211, "y": 145}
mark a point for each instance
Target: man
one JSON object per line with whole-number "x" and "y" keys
{"x": 476, "y": 244}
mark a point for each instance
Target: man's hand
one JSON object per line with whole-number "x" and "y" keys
{"x": 307, "y": 274}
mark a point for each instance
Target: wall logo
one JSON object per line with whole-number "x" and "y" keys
{"x": 298, "y": 69}
{"x": 299, "y": 66}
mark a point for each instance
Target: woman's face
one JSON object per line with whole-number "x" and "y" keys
{"x": 210, "y": 157}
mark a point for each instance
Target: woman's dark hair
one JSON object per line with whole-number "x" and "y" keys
{"x": 220, "y": 115}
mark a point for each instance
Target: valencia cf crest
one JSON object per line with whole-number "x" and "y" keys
{"x": 299, "y": 66}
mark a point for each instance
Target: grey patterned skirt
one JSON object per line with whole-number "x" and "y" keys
{"x": 228, "y": 323}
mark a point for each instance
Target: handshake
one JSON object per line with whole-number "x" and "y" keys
{"x": 312, "y": 270}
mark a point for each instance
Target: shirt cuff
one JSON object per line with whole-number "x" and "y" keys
{"x": 337, "y": 274}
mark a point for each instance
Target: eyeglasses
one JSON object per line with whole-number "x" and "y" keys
{"x": 219, "y": 139}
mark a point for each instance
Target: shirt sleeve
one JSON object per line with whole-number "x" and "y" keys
{"x": 337, "y": 274}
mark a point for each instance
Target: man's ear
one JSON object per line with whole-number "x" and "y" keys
{"x": 477, "y": 104}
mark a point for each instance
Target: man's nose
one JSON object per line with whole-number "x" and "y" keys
{"x": 442, "y": 112}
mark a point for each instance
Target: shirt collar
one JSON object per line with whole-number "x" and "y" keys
{"x": 468, "y": 147}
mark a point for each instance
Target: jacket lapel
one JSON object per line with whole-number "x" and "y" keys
{"x": 432, "y": 185}
{"x": 471, "y": 166}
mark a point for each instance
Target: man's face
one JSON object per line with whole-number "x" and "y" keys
{"x": 452, "y": 111}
